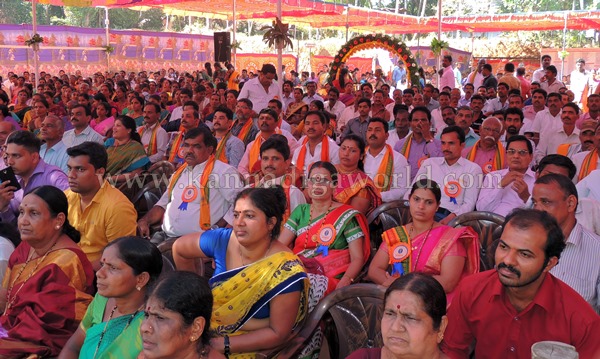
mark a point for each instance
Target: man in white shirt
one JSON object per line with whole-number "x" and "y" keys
{"x": 185, "y": 95}
{"x": 579, "y": 266}
{"x": 314, "y": 144}
{"x": 568, "y": 133}
{"x": 81, "y": 132}
{"x": 311, "y": 93}
{"x": 286, "y": 94}
{"x": 154, "y": 137}
{"x": 267, "y": 124}
{"x": 551, "y": 84}
{"x": 510, "y": 188}
{"x": 549, "y": 119}
{"x": 230, "y": 149}
{"x": 53, "y": 150}
{"x": 260, "y": 90}
{"x": 275, "y": 167}
{"x": 460, "y": 178}
{"x": 447, "y": 79}
{"x": 476, "y": 78}
{"x": 182, "y": 206}
{"x": 334, "y": 106}
{"x": 397, "y": 97}
{"x": 540, "y": 73}
{"x": 580, "y": 77}
{"x": 387, "y": 168}
{"x": 497, "y": 103}
{"x": 436, "y": 115}
{"x": 401, "y": 125}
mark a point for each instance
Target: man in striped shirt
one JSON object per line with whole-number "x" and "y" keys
{"x": 579, "y": 266}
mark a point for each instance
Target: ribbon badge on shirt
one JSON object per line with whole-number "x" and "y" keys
{"x": 400, "y": 251}
{"x": 325, "y": 238}
{"x": 488, "y": 167}
{"x": 189, "y": 194}
{"x": 452, "y": 189}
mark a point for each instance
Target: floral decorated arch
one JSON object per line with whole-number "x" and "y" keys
{"x": 376, "y": 41}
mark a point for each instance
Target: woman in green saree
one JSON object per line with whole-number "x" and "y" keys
{"x": 111, "y": 325}
{"x": 126, "y": 154}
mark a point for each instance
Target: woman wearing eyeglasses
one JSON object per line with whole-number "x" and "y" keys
{"x": 329, "y": 236}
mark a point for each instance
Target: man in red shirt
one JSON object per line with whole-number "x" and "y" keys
{"x": 507, "y": 310}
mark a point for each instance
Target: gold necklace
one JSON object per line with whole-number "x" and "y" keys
{"x": 10, "y": 297}
{"x": 422, "y": 245}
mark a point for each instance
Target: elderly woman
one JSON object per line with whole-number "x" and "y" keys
{"x": 414, "y": 320}
{"x": 126, "y": 154}
{"x": 111, "y": 325}
{"x": 48, "y": 283}
{"x": 177, "y": 319}
{"x": 250, "y": 255}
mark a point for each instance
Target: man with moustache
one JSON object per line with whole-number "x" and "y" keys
{"x": 244, "y": 127}
{"x": 593, "y": 104}
{"x": 378, "y": 107}
{"x": 510, "y": 188}
{"x": 420, "y": 144}
{"x": 526, "y": 303}
{"x": 551, "y": 84}
{"x": 358, "y": 125}
{"x": 397, "y": 100}
{"x": 267, "y": 123}
{"x": 449, "y": 116}
{"x": 476, "y": 105}
{"x": 586, "y": 140}
{"x": 548, "y": 119}
{"x": 276, "y": 171}
{"x": 567, "y": 134}
{"x": 588, "y": 161}
{"x": 53, "y": 151}
{"x": 497, "y": 103}
{"x": 230, "y": 149}
{"x": 184, "y": 208}
{"x": 539, "y": 74}
{"x": 81, "y": 132}
{"x": 428, "y": 100}
{"x": 460, "y": 178}
{"x": 262, "y": 89}
{"x": 332, "y": 105}
{"x": 488, "y": 152}
{"x": 579, "y": 266}
{"x": 436, "y": 115}
{"x": 401, "y": 125}
{"x": 316, "y": 146}
{"x": 464, "y": 120}
{"x": 388, "y": 169}
{"x": 154, "y": 137}
{"x": 476, "y": 78}
{"x": 407, "y": 98}
{"x": 513, "y": 123}
{"x": 189, "y": 119}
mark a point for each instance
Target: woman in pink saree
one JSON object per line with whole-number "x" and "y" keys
{"x": 448, "y": 254}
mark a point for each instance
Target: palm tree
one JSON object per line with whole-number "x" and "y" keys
{"x": 278, "y": 36}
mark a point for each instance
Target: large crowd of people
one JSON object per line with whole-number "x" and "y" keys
{"x": 273, "y": 181}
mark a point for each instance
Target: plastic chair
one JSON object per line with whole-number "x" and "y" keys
{"x": 204, "y": 266}
{"x": 352, "y": 318}
{"x": 386, "y": 216}
{"x": 488, "y": 226}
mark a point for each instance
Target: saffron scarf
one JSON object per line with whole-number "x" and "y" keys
{"x": 383, "y": 177}
{"x": 302, "y": 154}
{"x": 590, "y": 162}
{"x": 496, "y": 164}
{"x": 351, "y": 184}
{"x": 204, "y": 220}
{"x": 152, "y": 145}
{"x": 245, "y": 131}
{"x": 220, "y": 153}
{"x": 254, "y": 155}
{"x": 174, "y": 152}
{"x": 405, "y": 150}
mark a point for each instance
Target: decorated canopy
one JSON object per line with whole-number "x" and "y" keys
{"x": 320, "y": 14}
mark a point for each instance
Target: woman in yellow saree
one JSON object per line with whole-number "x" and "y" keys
{"x": 260, "y": 288}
